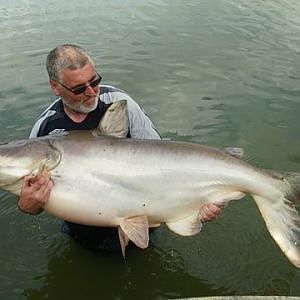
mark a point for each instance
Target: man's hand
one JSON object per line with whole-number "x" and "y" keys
{"x": 208, "y": 212}
{"x": 35, "y": 193}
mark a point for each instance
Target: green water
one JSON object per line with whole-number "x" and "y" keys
{"x": 221, "y": 73}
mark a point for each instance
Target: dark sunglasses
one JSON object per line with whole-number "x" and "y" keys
{"x": 82, "y": 88}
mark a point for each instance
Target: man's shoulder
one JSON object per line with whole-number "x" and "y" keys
{"x": 54, "y": 107}
{"x": 51, "y": 114}
{"x": 110, "y": 94}
{"x": 106, "y": 89}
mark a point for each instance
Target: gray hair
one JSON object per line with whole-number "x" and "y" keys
{"x": 66, "y": 56}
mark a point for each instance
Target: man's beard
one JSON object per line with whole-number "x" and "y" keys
{"x": 81, "y": 107}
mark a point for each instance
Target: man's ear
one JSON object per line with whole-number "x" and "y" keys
{"x": 54, "y": 87}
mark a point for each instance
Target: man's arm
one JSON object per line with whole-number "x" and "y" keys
{"x": 141, "y": 127}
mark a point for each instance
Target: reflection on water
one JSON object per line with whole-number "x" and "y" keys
{"x": 172, "y": 266}
{"x": 67, "y": 272}
{"x": 222, "y": 73}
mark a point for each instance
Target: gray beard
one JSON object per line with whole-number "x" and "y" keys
{"x": 80, "y": 107}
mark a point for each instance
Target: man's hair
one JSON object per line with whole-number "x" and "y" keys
{"x": 66, "y": 56}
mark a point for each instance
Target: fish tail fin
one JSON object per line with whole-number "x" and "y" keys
{"x": 281, "y": 216}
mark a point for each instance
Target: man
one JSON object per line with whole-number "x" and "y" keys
{"x": 80, "y": 105}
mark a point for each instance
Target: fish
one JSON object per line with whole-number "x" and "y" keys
{"x": 112, "y": 181}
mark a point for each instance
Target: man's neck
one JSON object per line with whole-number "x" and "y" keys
{"x": 75, "y": 116}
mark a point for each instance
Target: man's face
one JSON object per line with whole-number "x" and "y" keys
{"x": 84, "y": 102}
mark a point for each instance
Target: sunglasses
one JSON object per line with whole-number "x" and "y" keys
{"x": 79, "y": 89}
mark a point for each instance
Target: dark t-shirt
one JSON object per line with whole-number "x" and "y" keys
{"x": 60, "y": 120}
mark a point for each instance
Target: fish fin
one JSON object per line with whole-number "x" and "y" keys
{"x": 234, "y": 151}
{"x": 223, "y": 196}
{"x": 115, "y": 121}
{"x": 283, "y": 223}
{"x": 187, "y": 226}
{"x": 124, "y": 240}
{"x": 136, "y": 229}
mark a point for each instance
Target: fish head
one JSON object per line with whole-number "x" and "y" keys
{"x": 24, "y": 157}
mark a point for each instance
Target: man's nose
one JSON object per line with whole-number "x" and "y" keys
{"x": 90, "y": 90}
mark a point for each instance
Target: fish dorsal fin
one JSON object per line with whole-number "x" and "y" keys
{"x": 115, "y": 121}
{"x": 135, "y": 229}
{"x": 234, "y": 151}
{"x": 187, "y": 226}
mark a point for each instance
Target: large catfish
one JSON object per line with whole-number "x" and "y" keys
{"x": 136, "y": 184}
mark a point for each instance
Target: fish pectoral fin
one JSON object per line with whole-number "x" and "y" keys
{"x": 187, "y": 226}
{"x": 135, "y": 229}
